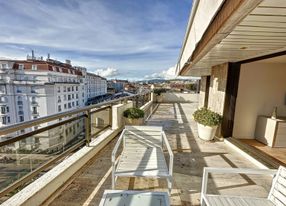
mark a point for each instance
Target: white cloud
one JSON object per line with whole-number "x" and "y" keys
{"x": 108, "y": 72}
{"x": 165, "y": 74}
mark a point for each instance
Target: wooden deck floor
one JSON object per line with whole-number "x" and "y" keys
{"x": 277, "y": 153}
{"x": 191, "y": 155}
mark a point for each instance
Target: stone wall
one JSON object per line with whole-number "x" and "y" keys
{"x": 218, "y": 87}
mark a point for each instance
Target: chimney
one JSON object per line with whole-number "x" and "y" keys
{"x": 33, "y": 55}
{"x": 68, "y": 61}
{"x": 48, "y": 56}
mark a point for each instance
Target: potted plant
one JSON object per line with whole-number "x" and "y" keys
{"x": 133, "y": 116}
{"x": 158, "y": 93}
{"x": 207, "y": 121}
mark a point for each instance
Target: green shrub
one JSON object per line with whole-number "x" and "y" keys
{"x": 133, "y": 113}
{"x": 159, "y": 91}
{"x": 207, "y": 117}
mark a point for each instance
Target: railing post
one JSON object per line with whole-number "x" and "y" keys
{"x": 136, "y": 101}
{"x": 110, "y": 115}
{"x": 87, "y": 127}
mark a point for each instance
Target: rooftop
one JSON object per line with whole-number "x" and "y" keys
{"x": 191, "y": 155}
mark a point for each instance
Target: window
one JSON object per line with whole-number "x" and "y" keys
{"x": 21, "y": 118}
{"x": 77, "y": 103}
{"x": 4, "y": 121}
{"x": 59, "y": 98}
{"x": 34, "y": 67}
{"x": 33, "y": 89}
{"x": 65, "y": 88}
{"x": 8, "y": 119}
{"x": 19, "y": 90}
{"x": 4, "y": 66}
{"x": 7, "y": 109}
{"x": 65, "y": 97}
{"x": 76, "y": 96}
{"x": 73, "y": 104}
{"x": 34, "y": 110}
{"x": 76, "y": 88}
{"x": 69, "y": 89}
{"x": 72, "y": 96}
{"x": 59, "y": 108}
{"x": 72, "y": 88}
{"x": 65, "y": 106}
{"x": 21, "y": 66}
{"x": 59, "y": 89}
{"x": 3, "y": 99}
{"x": 69, "y": 105}
{"x": 3, "y": 110}
{"x": 69, "y": 97}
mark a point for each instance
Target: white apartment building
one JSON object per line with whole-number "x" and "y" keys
{"x": 35, "y": 88}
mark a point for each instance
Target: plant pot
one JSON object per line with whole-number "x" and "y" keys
{"x": 159, "y": 98}
{"x": 206, "y": 132}
{"x": 129, "y": 121}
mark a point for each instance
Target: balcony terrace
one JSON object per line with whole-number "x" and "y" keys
{"x": 191, "y": 155}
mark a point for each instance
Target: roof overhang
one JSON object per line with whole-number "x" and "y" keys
{"x": 241, "y": 30}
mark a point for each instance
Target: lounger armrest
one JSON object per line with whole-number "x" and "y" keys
{"x": 216, "y": 170}
{"x": 166, "y": 142}
{"x": 114, "y": 151}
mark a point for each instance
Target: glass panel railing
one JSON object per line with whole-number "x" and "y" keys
{"x": 100, "y": 119}
{"x": 30, "y": 153}
{"x": 28, "y": 149}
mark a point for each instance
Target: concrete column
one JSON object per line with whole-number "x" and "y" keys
{"x": 117, "y": 114}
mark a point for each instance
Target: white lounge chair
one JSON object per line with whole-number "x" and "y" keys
{"x": 276, "y": 196}
{"x": 142, "y": 154}
{"x": 134, "y": 198}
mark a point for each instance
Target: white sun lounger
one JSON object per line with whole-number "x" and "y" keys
{"x": 276, "y": 196}
{"x": 134, "y": 198}
{"x": 142, "y": 154}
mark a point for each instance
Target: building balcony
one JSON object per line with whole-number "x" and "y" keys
{"x": 34, "y": 103}
{"x": 87, "y": 182}
{"x": 35, "y": 113}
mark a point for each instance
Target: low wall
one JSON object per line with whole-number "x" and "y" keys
{"x": 41, "y": 189}
{"x": 177, "y": 98}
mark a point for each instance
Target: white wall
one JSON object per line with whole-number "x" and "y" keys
{"x": 205, "y": 13}
{"x": 262, "y": 86}
{"x": 177, "y": 97}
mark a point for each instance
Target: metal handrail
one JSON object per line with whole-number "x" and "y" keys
{"x": 84, "y": 112}
{"x": 22, "y": 125}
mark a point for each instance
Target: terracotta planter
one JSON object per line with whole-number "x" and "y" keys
{"x": 206, "y": 132}
{"x": 139, "y": 121}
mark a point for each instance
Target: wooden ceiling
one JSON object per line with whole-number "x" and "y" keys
{"x": 261, "y": 32}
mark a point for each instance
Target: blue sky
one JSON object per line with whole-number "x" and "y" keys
{"x": 131, "y": 39}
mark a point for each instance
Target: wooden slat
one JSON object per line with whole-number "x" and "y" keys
{"x": 253, "y": 17}
{"x": 275, "y": 3}
{"x": 270, "y": 11}
{"x": 220, "y": 200}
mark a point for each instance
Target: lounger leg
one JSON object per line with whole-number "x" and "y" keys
{"x": 170, "y": 180}
{"x": 113, "y": 178}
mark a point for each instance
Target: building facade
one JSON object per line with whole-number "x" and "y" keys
{"x": 34, "y": 88}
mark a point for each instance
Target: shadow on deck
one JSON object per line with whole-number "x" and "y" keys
{"x": 191, "y": 155}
